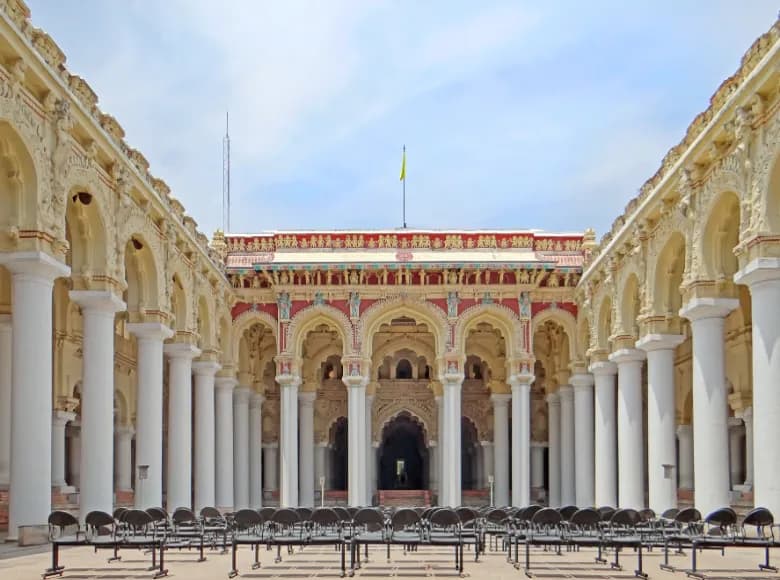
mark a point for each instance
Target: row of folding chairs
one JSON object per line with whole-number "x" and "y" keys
{"x": 151, "y": 530}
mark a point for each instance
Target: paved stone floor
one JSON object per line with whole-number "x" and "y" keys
{"x": 83, "y": 563}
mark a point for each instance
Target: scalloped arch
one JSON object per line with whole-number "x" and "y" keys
{"x": 246, "y": 320}
{"x": 392, "y": 412}
{"x": 310, "y": 317}
{"x": 385, "y": 310}
{"x": 564, "y": 318}
{"x": 496, "y": 315}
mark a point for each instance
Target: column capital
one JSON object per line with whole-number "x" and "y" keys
{"x": 241, "y": 395}
{"x": 701, "y": 308}
{"x": 62, "y": 417}
{"x": 735, "y": 423}
{"x": 35, "y": 264}
{"x": 582, "y": 381}
{"x": 521, "y": 379}
{"x": 432, "y": 443}
{"x": 684, "y": 430}
{"x": 97, "y": 301}
{"x": 539, "y": 444}
{"x": 651, "y": 342}
{"x": 153, "y": 330}
{"x": 288, "y": 380}
{"x": 747, "y": 414}
{"x": 603, "y": 368}
{"x": 759, "y": 271}
{"x": 486, "y": 443}
{"x": 207, "y": 368}
{"x": 225, "y": 384}
{"x": 625, "y": 355}
{"x": 566, "y": 393}
{"x": 553, "y": 399}
{"x": 181, "y": 350}
{"x": 355, "y": 381}
{"x": 307, "y": 398}
{"x": 271, "y": 445}
{"x": 256, "y": 401}
{"x": 500, "y": 399}
{"x": 124, "y": 430}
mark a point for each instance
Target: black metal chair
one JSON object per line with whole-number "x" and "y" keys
{"x": 446, "y": 530}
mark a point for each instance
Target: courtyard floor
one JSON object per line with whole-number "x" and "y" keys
{"x": 84, "y": 563}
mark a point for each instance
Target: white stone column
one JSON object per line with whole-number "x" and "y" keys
{"x": 288, "y": 440}
{"x": 605, "y": 434}
{"x": 479, "y": 462}
{"x": 762, "y": 276}
{"x": 32, "y": 280}
{"x": 433, "y": 458}
{"x": 443, "y": 484}
{"x": 736, "y": 450}
{"x": 661, "y": 448}
{"x": 256, "y": 451}
{"x": 74, "y": 446}
{"x": 488, "y": 464}
{"x": 306, "y": 448}
{"x": 452, "y": 452}
{"x": 205, "y": 434}
{"x": 501, "y": 447}
{"x": 631, "y": 452}
{"x": 566, "y": 394}
{"x": 223, "y": 441}
{"x": 685, "y": 436}
{"x": 6, "y": 344}
{"x": 369, "y": 450}
{"x": 59, "y": 420}
{"x": 149, "y": 411}
{"x": 123, "y": 457}
{"x": 554, "y": 446}
{"x": 710, "y": 401}
{"x": 179, "y": 457}
{"x": 747, "y": 417}
{"x": 356, "y": 435}
{"x": 98, "y": 311}
{"x": 584, "y": 459}
{"x": 270, "y": 461}
{"x": 537, "y": 466}
{"x": 241, "y": 447}
{"x": 320, "y": 470}
{"x": 521, "y": 440}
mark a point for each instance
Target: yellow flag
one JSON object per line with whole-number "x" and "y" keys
{"x": 403, "y": 166}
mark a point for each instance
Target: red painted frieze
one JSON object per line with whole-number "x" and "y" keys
{"x": 267, "y": 307}
{"x": 569, "y": 307}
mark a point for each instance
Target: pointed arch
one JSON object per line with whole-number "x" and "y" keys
{"x": 498, "y": 316}
{"x": 312, "y": 316}
{"x": 564, "y": 318}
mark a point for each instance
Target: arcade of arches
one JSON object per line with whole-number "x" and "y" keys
{"x": 142, "y": 363}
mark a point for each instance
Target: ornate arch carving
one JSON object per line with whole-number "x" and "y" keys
{"x": 498, "y": 316}
{"x": 387, "y": 410}
{"x": 310, "y": 316}
{"x": 562, "y": 317}
{"x": 384, "y": 310}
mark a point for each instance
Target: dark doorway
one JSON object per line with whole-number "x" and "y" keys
{"x": 469, "y": 454}
{"x": 403, "y": 460}
{"x": 340, "y": 458}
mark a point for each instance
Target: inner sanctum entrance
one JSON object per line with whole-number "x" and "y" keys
{"x": 403, "y": 456}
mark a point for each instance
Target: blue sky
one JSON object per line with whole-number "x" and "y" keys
{"x": 544, "y": 115}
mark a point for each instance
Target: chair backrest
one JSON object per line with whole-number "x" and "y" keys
{"x": 404, "y": 518}
{"x": 157, "y": 514}
{"x": 325, "y": 516}
{"x": 137, "y": 520}
{"x": 723, "y": 518}
{"x": 445, "y": 518}
{"x": 466, "y": 514}
{"x": 759, "y": 517}
{"x": 211, "y": 513}
{"x": 61, "y": 519}
{"x": 304, "y": 513}
{"x": 99, "y": 523}
{"x": 626, "y": 518}
{"x": 285, "y": 517}
{"x": 586, "y": 519}
{"x": 547, "y": 517}
{"x": 370, "y": 518}
{"x": 267, "y": 513}
{"x": 118, "y": 513}
{"x": 352, "y": 511}
{"x": 496, "y": 516}
{"x": 567, "y": 512}
{"x": 670, "y": 514}
{"x": 647, "y": 515}
{"x": 343, "y": 514}
{"x": 688, "y": 515}
{"x": 183, "y": 515}
{"x": 526, "y": 514}
{"x": 245, "y": 519}
{"x": 606, "y": 513}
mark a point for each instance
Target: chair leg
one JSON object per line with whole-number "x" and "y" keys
{"x": 256, "y": 564}
{"x": 163, "y": 571}
{"x": 234, "y": 570}
{"x": 56, "y": 569}
{"x": 639, "y": 572}
{"x": 766, "y": 565}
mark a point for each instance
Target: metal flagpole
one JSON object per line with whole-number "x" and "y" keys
{"x": 404, "y": 187}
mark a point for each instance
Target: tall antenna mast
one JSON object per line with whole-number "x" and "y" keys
{"x": 226, "y": 176}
